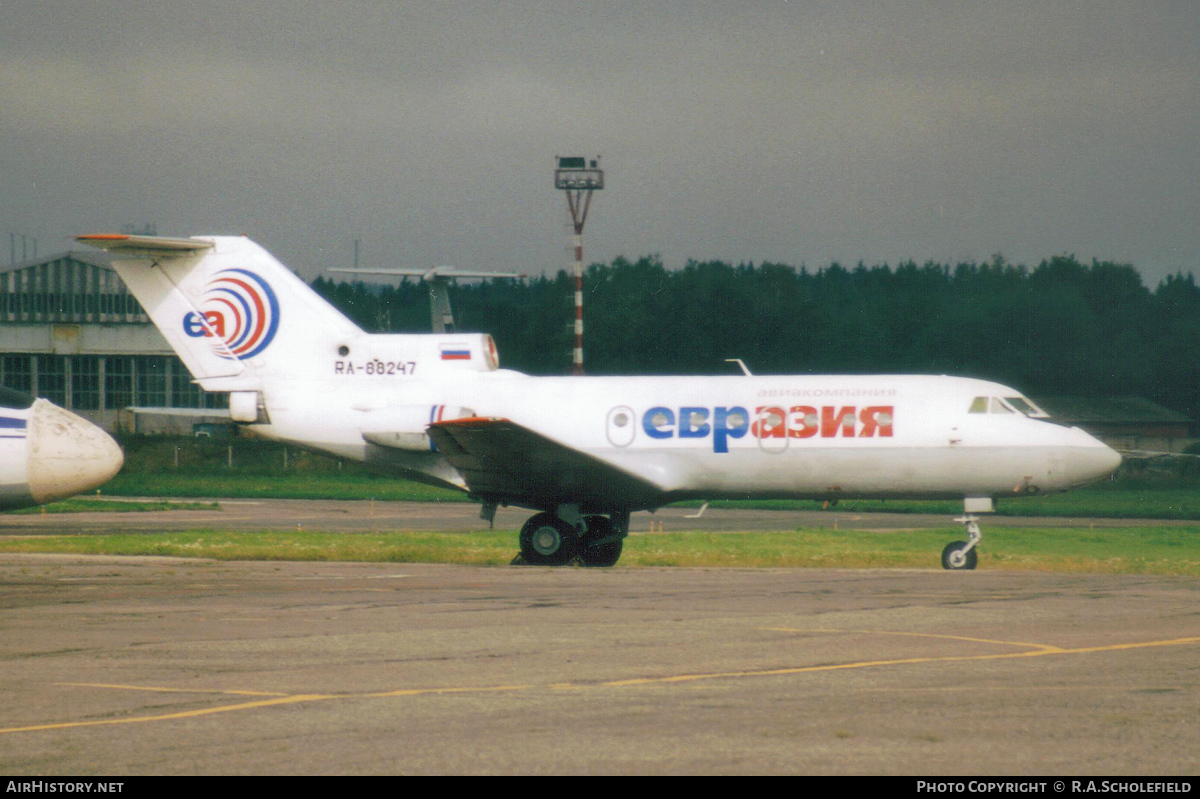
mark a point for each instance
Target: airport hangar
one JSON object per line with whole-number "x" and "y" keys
{"x": 71, "y": 332}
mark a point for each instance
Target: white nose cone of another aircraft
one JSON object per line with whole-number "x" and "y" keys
{"x": 67, "y": 454}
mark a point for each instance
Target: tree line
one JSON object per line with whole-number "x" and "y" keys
{"x": 1063, "y": 327}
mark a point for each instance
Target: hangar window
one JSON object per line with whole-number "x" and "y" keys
{"x": 151, "y": 381}
{"x": 184, "y": 393}
{"x": 52, "y": 378}
{"x": 118, "y": 382}
{"x": 16, "y": 372}
{"x": 85, "y": 383}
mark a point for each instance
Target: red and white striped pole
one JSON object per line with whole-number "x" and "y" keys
{"x": 578, "y": 357}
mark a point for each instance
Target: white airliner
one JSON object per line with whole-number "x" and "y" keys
{"x": 583, "y": 451}
{"x": 47, "y": 453}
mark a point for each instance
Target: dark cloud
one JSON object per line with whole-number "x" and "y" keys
{"x": 801, "y": 132}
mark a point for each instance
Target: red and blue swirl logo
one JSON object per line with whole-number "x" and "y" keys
{"x": 239, "y": 311}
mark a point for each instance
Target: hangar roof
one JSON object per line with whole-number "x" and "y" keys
{"x": 73, "y": 287}
{"x": 1109, "y": 410}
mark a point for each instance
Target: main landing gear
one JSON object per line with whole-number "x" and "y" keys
{"x": 555, "y": 539}
{"x": 963, "y": 554}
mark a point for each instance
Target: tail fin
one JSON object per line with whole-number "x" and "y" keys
{"x": 235, "y": 315}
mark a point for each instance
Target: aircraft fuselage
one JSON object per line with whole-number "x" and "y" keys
{"x": 720, "y": 437}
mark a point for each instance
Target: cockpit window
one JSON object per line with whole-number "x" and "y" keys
{"x": 1007, "y": 405}
{"x": 1026, "y": 407}
{"x": 14, "y": 399}
{"x": 999, "y": 406}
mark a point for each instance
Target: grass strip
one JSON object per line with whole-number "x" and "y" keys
{"x": 1127, "y": 499}
{"x": 1126, "y": 550}
{"x": 276, "y": 485}
{"x": 84, "y": 504}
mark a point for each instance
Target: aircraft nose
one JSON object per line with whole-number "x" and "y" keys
{"x": 1096, "y": 462}
{"x": 1111, "y": 460}
{"x": 67, "y": 454}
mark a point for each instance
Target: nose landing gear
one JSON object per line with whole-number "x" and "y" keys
{"x": 962, "y": 555}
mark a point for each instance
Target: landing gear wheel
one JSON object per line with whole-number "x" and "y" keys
{"x": 957, "y": 557}
{"x": 547, "y": 540}
{"x": 597, "y": 549}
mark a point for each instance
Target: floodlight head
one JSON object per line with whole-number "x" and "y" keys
{"x": 576, "y": 173}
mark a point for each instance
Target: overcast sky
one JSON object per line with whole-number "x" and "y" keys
{"x": 801, "y": 132}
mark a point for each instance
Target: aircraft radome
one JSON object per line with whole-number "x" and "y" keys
{"x": 47, "y": 453}
{"x": 582, "y": 451}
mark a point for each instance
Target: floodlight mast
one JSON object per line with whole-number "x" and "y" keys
{"x": 578, "y": 178}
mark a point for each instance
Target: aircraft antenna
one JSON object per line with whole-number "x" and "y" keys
{"x": 578, "y": 178}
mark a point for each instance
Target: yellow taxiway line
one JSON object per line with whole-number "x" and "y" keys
{"x": 275, "y": 699}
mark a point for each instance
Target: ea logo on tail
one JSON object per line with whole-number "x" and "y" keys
{"x": 239, "y": 309}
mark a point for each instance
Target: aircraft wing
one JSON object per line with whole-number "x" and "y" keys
{"x": 503, "y": 461}
{"x": 430, "y": 273}
{"x": 207, "y": 413}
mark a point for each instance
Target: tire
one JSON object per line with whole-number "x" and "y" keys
{"x": 954, "y": 559}
{"x": 600, "y": 555}
{"x": 547, "y": 540}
